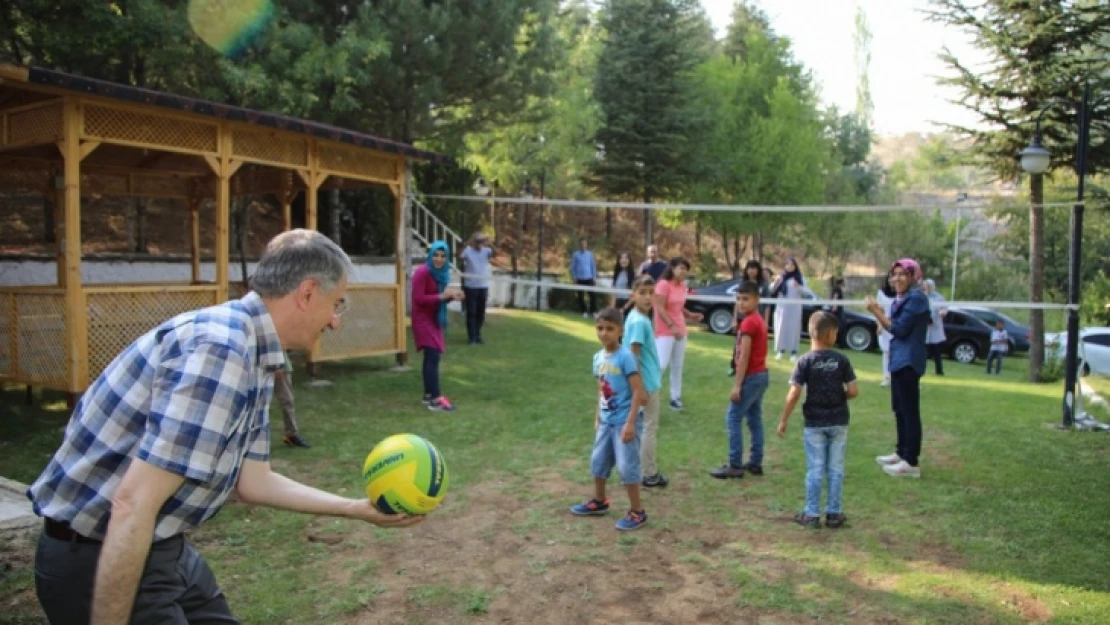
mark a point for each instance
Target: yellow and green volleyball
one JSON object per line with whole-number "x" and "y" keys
{"x": 230, "y": 26}
{"x": 405, "y": 474}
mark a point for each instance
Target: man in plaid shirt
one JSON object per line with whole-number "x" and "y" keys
{"x": 160, "y": 439}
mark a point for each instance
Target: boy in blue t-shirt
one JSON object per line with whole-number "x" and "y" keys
{"x": 617, "y": 442}
{"x": 639, "y": 338}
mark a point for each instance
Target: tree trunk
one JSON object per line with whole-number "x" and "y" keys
{"x": 608, "y": 224}
{"x": 647, "y": 222}
{"x": 697, "y": 237}
{"x": 1036, "y": 276}
{"x": 514, "y": 258}
{"x": 47, "y": 219}
{"x": 335, "y": 211}
{"x": 758, "y": 251}
{"x": 724, "y": 245}
{"x": 140, "y": 225}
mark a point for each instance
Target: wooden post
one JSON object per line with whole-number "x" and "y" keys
{"x": 312, "y": 178}
{"x": 76, "y": 317}
{"x": 402, "y": 257}
{"x": 194, "y": 228}
{"x": 288, "y": 193}
{"x": 224, "y": 168}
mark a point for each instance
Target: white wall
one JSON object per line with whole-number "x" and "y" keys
{"x": 44, "y": 272}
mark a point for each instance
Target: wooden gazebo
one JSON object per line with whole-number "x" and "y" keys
{"x": 69, "y": 137}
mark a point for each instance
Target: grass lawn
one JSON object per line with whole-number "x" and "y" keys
{"x": 1008, "y": 524}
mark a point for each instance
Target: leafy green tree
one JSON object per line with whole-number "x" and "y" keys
{"x": 643, "y": 90}
{"x": 1037, "y": 52}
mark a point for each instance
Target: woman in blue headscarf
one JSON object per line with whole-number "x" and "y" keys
{"x": 430, "y": 295}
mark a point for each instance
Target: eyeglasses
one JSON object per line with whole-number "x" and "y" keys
{"x": 340, "y": 307}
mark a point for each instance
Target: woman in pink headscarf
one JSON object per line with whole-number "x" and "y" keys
{"x": 907, "y": 324}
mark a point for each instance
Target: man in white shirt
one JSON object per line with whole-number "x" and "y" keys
{"x": 475, "y": 259}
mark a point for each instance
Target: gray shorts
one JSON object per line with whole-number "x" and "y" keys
{"x": 177, "y": 587}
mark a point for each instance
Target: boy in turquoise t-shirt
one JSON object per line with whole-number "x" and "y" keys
{"x": 617, "y": 423}
{"x": 639, "y": 338}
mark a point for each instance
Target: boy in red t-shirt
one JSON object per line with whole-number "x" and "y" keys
{"x": 747, "y": 394}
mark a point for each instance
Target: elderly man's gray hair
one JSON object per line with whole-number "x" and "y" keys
{"x": 298, "y": 255}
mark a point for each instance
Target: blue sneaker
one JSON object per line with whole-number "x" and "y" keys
{"x": 591, "y": 507}
{"x": 632, "y": 521}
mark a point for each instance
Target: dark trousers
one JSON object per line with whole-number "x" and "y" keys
{"x": 995, "y": 356}
{"x": 582, "y": 296}
{"x": 177, "y": 587}
{"x": 475, "y": 311}
{"x": 905, "y": 399}
{"x": 935, "y": 353}
{"x": 431, "y": 372}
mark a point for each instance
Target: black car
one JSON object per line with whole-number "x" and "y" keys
{"x": 967, "y": 337}
{"x": 1019, "y": 334}
{"x": 858, "y": 333}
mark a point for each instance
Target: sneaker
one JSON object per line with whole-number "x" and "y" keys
{"x": 676, "y": 404}
{"x": 296, "y": 441}
{"x": 480, "y": 341}
{"x": 811, "y": 522}
{"x": 778, "y": 355}
{"x": 731, "y": 373}
{"x": 632, "y": 521}
{"x": 591, "y": 507}
{"x": 441, "y": 404}
{"x": 727, "y": 471}
{"x": 655, "y": 481}
{"x": 426, "y": 401}
{"x": 902, "y": 469}
{"x": 835, "y": 521}
{"x": 793, "y": 358}
{"x": 885, "y": 460}
{"x": 754, "y": 469}
{"x": 885, "y": 383}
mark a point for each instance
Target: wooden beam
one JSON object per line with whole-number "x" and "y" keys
{"x": 17, "y": 73}
{"x": 232, "y": 167}
{"x": 87, "y": 148}
{"x": 401, "y": 260}
{"x": 76, "y": 316}
{"x": 223, "y": 211}
{"x": 214, "y": 163}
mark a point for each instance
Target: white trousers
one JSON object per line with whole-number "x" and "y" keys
{"x": 672, "y": 353}
{"x": 886, "y": 363}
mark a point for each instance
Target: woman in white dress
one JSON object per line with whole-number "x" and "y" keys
{"x": 885, "y": 297}
{"x": 934, "y": 337}
{"x": 788, "y": 317}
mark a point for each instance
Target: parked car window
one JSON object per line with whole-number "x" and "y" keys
{"x": 1098, "y": 339}
{"x": 955, "y": 318}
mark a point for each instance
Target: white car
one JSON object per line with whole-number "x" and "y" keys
{"x": 1094, "y": 349}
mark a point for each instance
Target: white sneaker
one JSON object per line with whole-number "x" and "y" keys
{"x": 885, "y": 383}
{"x": 885, "y": 460}
{"x": 902, "y": 469}
{"x": 778, "y": 355}
{"x": 793, "y": 358}
{"x": 585, "y": 315}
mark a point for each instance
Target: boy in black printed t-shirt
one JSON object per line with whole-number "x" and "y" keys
{"x": 829, "y": 382}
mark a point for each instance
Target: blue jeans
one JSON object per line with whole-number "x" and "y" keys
{"x": 995, "y": 356}
{"x": 749, "y": 407}
{"x": 609, "y": 450}
{"x": 825, "y": 457}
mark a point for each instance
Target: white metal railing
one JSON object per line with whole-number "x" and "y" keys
{"x": 426, "y": 228}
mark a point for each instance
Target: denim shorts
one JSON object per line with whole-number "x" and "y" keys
{"x": 610, "y": 451}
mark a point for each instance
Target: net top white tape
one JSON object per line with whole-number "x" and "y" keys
{"x": 775, "y": 300}
{"x": 734, "y": 208}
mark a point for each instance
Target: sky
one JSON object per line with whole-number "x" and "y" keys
{"x": 904, "y": 63}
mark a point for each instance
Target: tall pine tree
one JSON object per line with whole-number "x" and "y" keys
{"x": 1038, "y": 51}
{"x": 643, "y": 91}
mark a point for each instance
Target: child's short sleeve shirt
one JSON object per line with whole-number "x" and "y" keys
{"x": 614, "y": 391}
{"x": 824, "y": 374}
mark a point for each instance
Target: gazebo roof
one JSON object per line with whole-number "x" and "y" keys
{"x": 149, "y": 97}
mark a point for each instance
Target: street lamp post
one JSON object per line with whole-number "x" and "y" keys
{"x": 1035, "y": 160}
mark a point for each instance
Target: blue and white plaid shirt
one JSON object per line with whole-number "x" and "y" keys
{"x": 192, "y": 397}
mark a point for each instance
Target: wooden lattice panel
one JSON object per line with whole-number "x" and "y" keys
{"x": 268, "y": 147}
{"x": 149, "y": 129}
{"x": 116, "y": 319}
{"x": 33, "y": 341}
{"x": 369, "y": 325}
{"x": 336, "y": 158}
{"x": 32, "y": 126}
{"x": 112, "y": 185}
